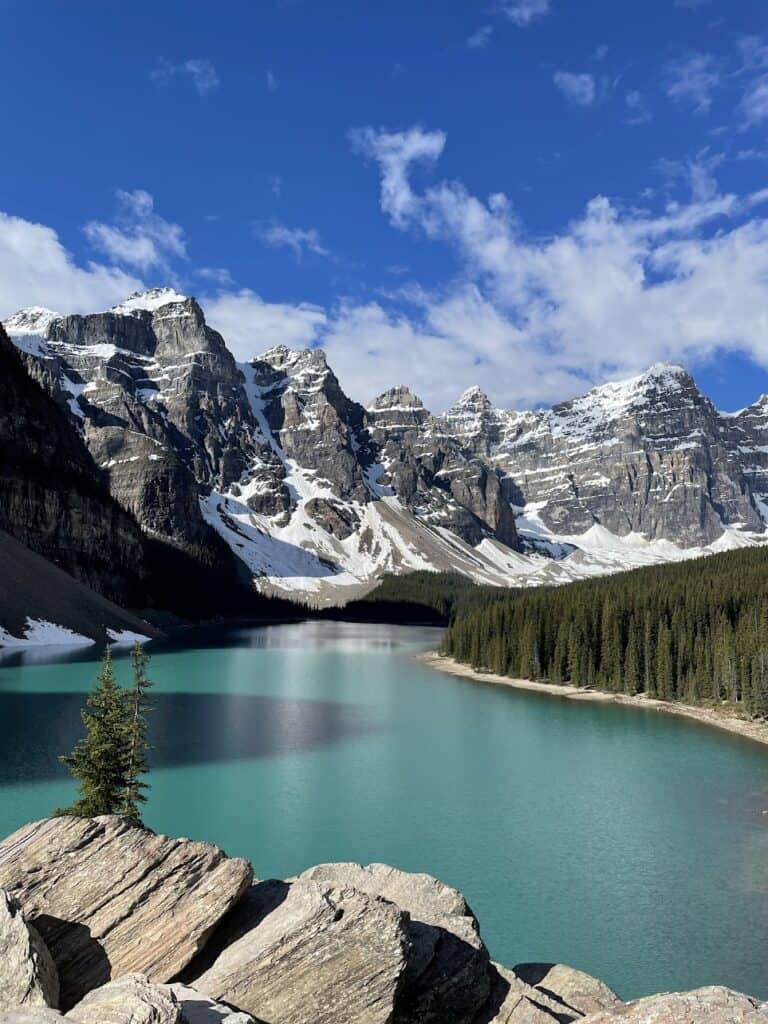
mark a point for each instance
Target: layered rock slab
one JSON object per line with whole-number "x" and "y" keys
{"x": 307, "y": 951}
{"x": 110, "y": 898}
{"x": 711, "y": 1005}
{"x": 28, "y": 975}
{"x": 128, "y": 1000}
{"x": 448, "y": 976}
{"x": 545, "y": 994}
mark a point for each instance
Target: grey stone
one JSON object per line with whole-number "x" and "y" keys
{"x": 128, "y": 1000}
{"x": 711, "y": 1005}
{"x": 111, "y": 898}
{"x": 306, "y": 951}
{"x": 448, "y": 977}
{"x": 28, "y": 975}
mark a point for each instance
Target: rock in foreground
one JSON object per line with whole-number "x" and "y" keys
{"x": 449, "y": 975}
{"x": 28, "y": 975}
{"x": 712, "y": 1005}
{"x": 110, "y": 898}
{"x": 304, "y": 951}
{"x": 129, "y": 1000}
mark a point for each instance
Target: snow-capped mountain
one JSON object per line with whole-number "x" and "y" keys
{"x": 318, "y": 496}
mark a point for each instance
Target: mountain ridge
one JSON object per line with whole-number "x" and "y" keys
{"x": 318, "y": 495}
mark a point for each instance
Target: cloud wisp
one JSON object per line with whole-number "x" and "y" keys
{"x": 140, "y": 237}
{"x": 199, "y": 71}
{"x": 579, "y": 89}
{"x": 298, "y": 240}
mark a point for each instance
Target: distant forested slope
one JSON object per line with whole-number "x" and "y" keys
{"x": 694, "y": 631}
{"x": 431, "y": 598}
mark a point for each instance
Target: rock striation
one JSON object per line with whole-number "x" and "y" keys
{"x": 110, "y": 898}
{"x": 306, "y": 951}
{"x": 713, "y": 1005}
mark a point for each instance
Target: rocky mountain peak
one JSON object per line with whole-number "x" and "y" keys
{"x": 31, "y": 320}
{"x": 473, "y": 398}
{"x": 148, "y": 301}
{"x": 397, "y": 398}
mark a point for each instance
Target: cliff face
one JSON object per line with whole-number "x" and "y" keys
{"x": 649, "y": 456}
{"x": 158, "y": 399}
{"x": 53, "y": 499}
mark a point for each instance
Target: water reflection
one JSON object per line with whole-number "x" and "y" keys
{"x": 185, "y": 728}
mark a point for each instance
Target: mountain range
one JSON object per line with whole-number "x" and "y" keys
{"x": 316, "y": 496}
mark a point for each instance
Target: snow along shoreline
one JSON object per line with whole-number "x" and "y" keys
{"x": 755, "y": 731}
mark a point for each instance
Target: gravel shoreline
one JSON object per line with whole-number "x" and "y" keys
{"x": 755, "y": 731}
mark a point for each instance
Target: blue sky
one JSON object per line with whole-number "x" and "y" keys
{"x": 532, "y": 195}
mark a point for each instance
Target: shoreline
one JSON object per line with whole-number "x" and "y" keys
{"x": 755, "y": 731}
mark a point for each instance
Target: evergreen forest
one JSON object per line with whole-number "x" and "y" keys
{"x": 694, "y": 631}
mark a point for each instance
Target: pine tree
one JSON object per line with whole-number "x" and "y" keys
{"x": 99, "y": 760}
{"x": 138, "y": 706}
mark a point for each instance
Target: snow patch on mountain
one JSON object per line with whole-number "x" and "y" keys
{"x": 148, "y": 301}
{"x": 40, "y": 632}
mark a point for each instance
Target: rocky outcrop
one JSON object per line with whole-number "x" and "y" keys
{"x": 431, "y": 473}
{"x": 158, "y": 398}
{"x": 110, "y": 898}
{"x": 53, "y": 499}
{"x": 448, "y": 974}
{"x": 130, "y": 999}
{"x": 714, "y": 1005}
{"x": 28, "y": 975}
{"x": 649, "y": 456}
{"x": 305, "y": 951}
{"x": 124, "y": 911}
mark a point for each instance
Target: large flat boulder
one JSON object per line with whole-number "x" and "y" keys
{"x": 573, "y": 989}
{"x": 711, "y": 1005}
{"x": 28, "y": 975}
{"x": 110, "y": 898}
{"x": 308, "y": 951}
{"x": 448, "y": 976}
{"x": 128, "y": 1000}
{"x": 545, "y": 994}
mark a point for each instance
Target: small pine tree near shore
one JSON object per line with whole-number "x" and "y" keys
{"x": 138, "y": 747}
{"x": 109, "y": 761}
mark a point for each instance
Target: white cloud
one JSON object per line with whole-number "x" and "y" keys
{"x": 250, "y": 325}
{"x": 754, "y": 103}
{"x": 36, "y": 270}
{"x": 693, "y": 79}
{"x": 298, "y": 240}
{"x": 218, "y": 275}
{"x": 523, "y": 12}
{"x": 637, "y": 107}
{"x": 140, "y": 237}
{"x": 201, "y": 72}
{"x": 395, "y": 152}
{"x": 480, "y": 38}
{"x": 530, "y": 319}
{"x": 578, "y": 89}
{"x": 271, "y": 81}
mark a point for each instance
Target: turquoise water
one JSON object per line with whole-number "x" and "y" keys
{"x": 630, "y": 844}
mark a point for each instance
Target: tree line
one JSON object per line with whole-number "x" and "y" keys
{"x": 111, "y": 759}
{"x": 694, "y": 631}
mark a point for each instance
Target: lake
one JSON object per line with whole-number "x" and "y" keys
{"x": 627, "y": 843}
